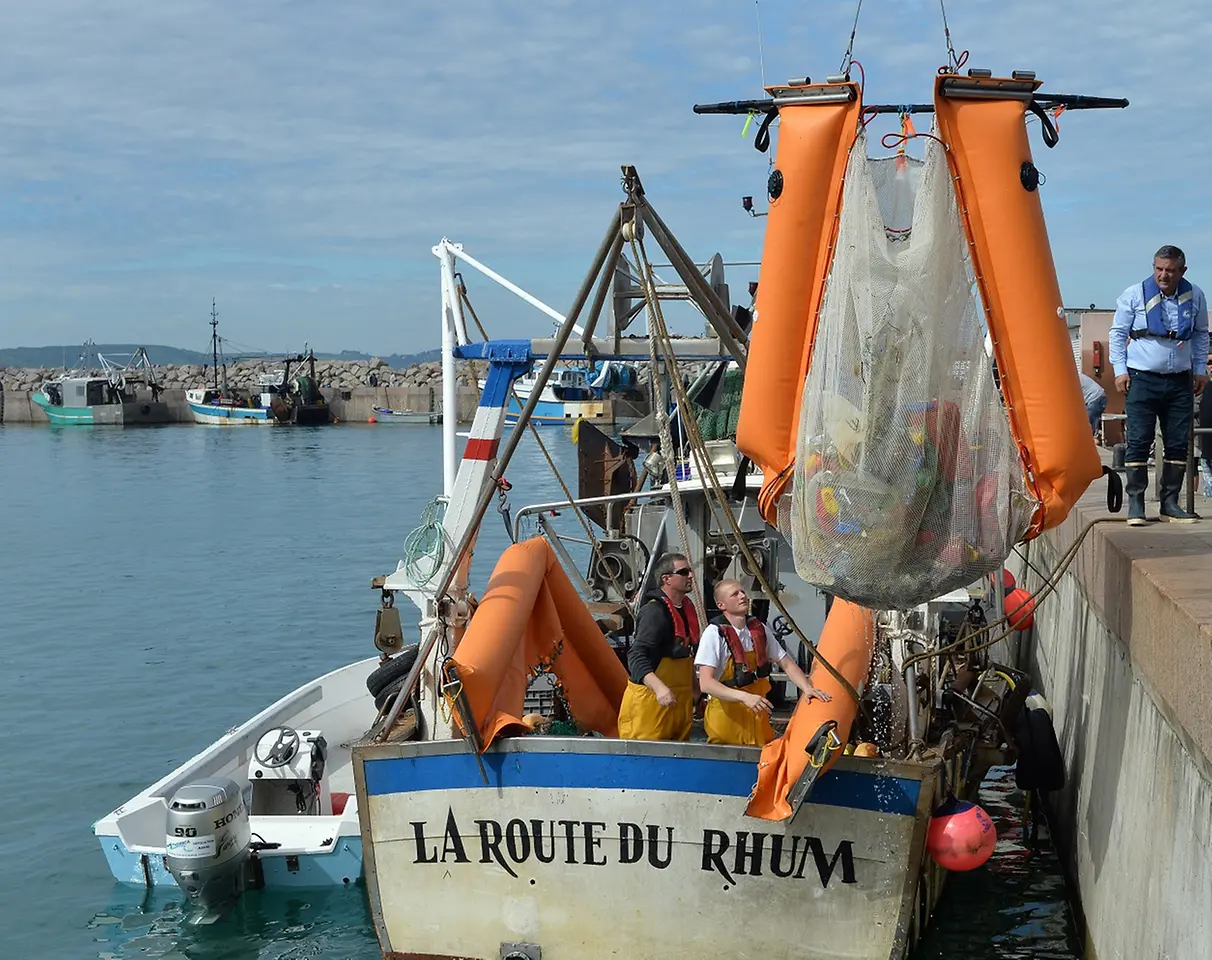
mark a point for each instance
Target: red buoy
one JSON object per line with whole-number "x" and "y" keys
{"x": 371, "y": 420}
{"x": 961, "y": 835}
{"x": 1008, "y": 581}
{"x": 1020, "y": 609}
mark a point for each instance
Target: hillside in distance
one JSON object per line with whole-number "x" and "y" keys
{"x": 61, "y": 356}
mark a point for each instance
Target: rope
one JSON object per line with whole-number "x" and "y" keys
{"x": 846, "y": 60}
{"x": 662, "y": 416}
{"x": 427, "y": 541}
{"x": 1049, "y": 585}
{"x": 953, "y": 62}
{"x": 707, "y": 472}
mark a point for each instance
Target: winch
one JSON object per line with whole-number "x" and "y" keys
{"x": 207, "y": 839}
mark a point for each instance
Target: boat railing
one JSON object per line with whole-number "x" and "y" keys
{"x": 582, "y": 502}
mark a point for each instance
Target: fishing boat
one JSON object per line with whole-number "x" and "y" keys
{"x": 492, "y": 833}
{"x": 387, "y": 415}
{"x": 107, "y": 393}
{"x": 274, "y": 399}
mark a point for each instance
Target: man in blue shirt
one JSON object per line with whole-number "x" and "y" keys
{"x": 1159, "y": 352}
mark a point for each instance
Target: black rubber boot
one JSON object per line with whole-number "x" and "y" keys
{"x": 1173, "y": 473}
{"x": 1136, "y": 481}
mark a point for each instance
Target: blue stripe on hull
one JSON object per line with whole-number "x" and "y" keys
{"x": 730, "y": 778}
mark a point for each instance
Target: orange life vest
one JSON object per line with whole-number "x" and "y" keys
{"x": 742, "y": 676}
{"x": 685, "y": 626}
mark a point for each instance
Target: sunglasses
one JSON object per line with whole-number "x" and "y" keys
{"x": 683, "y": 572}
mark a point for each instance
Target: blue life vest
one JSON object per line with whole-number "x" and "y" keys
{"x": 1157, "y": 321}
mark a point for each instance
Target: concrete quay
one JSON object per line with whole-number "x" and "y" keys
{"x": 1123, "y": 652}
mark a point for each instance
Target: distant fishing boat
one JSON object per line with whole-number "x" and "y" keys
{"x": 387, "y": 415}
{"x": 116, "y": 395}
{"x": 274, "y": 400}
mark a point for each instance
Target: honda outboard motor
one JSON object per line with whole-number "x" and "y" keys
{"x": 207, "y": 842}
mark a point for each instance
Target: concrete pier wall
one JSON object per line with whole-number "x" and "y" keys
{"x": 1123, "y": 651}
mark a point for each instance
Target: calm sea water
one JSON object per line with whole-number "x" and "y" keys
{"x": 161, "y": 585}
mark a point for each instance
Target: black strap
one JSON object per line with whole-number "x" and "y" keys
{"x": 1115, "y": 490}
{"x": 761, "y": 141}
{"x": 1045, "y": 124}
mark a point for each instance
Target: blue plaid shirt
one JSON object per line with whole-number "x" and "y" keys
{"x": 1154, "y": 353}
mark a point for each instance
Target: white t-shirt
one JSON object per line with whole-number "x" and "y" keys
{"x": 714, "y": 652}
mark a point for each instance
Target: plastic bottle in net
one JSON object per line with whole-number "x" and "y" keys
{"x": 907, "y": 481}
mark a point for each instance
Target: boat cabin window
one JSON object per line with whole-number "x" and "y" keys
{"x": 76, "y": 394}
{"x": 97, "y": 393}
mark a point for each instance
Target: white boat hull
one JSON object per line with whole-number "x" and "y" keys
{"x": 590, "y": 848}
{"x": 318, "y": 850}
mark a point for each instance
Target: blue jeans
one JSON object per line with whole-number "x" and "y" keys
{"x": 1153, "y": 397}
{"x": 1094, "y": 410}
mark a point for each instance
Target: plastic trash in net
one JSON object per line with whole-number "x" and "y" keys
{"x": 907, "y": 481}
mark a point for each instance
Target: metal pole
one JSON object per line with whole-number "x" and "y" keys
{"x": 490, "y": 488}
{"x": 450, "y": 402}
{"x": 712, "y": 306}
{"x": 605, "y": 285}
{"x": 1191, "y": 459}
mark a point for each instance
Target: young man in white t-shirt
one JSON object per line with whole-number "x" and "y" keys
{"x": 734, "y": 671}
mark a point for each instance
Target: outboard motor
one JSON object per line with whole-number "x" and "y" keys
{"x": 207, "y": 842}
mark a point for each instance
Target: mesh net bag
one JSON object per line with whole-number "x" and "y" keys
{"x": 907, "y": 482}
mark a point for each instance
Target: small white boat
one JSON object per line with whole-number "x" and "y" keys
{"x": 387, "y": 415}
{"x": 270, "y": 803}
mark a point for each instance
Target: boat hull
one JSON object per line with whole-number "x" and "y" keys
{"x": 308, "y": 850}
{"x": 108, "y": 414}
{"x": 591, "y": 848}
{"x": 558, "y": 411}
{"x": 229, "y": 416}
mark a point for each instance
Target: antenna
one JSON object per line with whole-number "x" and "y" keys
{"x": 761, "y": 54}
{"x": 214, "y": 342}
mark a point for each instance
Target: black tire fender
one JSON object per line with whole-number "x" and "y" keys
{"x": 394, "y": 669}
{"x": 1041, "y": 764}
{"x": 384, "y": 697}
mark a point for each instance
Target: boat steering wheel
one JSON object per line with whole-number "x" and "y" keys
{"x": 281, "y": 751}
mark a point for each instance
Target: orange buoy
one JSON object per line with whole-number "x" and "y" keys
{"x": 961, "y": 835}
{"x": 1020, "y": 609}
{"x": 371, "y": 420}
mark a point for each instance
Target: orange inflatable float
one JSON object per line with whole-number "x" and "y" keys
{"x": 1004, "y": 219}
{"x": 531, "y": 615}
{"x": 846, "y": 642}
{"x": 816, "y": 128}
{"x": 982, "y": 123}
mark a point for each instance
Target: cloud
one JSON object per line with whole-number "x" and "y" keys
{"x": 298, "y": 160}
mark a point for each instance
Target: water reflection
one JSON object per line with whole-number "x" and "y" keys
{"x": 1024, "y": 874}
{"x": 260, "y": 925}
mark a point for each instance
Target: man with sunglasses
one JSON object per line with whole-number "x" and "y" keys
{"x": 660, "y": 697}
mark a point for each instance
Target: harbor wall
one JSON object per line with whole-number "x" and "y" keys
{"x": 1123, "y": 652}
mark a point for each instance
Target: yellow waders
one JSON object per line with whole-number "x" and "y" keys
{"x": 728, "y": 722}
{"x": 642, "y": 718}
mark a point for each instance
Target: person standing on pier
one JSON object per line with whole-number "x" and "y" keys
{"x": 659, "y": 701}
{"x": 1159, "y": 351}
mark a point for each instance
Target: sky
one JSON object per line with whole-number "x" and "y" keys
{"x": 297, "y": 161}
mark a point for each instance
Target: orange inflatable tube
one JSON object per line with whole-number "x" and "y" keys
{"x": 983, "y": 123}
{"x": 814, "y": 142}
{"x": 846, "y": 642}
{"x": 531, "y": 614}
